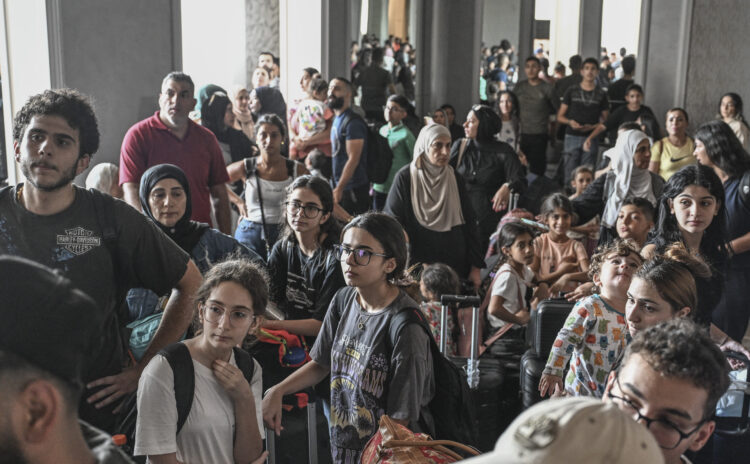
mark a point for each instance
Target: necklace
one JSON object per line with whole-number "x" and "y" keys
{"x": 587, "y": 101}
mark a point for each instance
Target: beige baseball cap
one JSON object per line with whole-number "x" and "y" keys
{"x": 580, "y": 430}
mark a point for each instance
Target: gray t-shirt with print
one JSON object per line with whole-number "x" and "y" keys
{"x": 368, "y": 378}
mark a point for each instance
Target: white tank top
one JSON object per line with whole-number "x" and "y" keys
{"x": 273, "y": 193}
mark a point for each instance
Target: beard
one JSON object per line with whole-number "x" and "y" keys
{"x": 335, "y": 103}
{"x": 10, "y": 450}
{"x": 66, "y": 177}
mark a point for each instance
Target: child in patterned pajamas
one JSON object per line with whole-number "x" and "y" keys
{"x": 595, "y": 331}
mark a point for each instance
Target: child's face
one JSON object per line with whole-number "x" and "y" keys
{"x": 581, "y": 181}
{"x": 394, "y": 113}
{"x": 558, "y": 222}
{"x": 633, "y": 224}
{"x": 522, "y": 250}
{"x": 426, "y": 294}
{"x": 694, "y": 208}
{"x": 634, "y": 98}
{"x": 616, "y": 273}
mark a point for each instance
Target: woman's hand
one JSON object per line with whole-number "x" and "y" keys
{"x": 272, "y": 410}
{"x": 583, "y": 290}
{"x": 232, "y": 379}
{"x": 549, "y": 384}
{"x": 500, "y": 200}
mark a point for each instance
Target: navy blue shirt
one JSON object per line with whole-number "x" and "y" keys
{"x": 738, "y": 220}
{"x": 355, "y": 129}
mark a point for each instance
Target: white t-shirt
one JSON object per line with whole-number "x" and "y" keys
{"x": 510, "y": 286}
{"x": 274, "y": 194}
{"x": 208, "y": 433}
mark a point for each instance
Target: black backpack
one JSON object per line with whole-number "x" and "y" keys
{"x": 379, "y": 153}
{"x": 178, "y": 356}
{"x": 451, "y": 407}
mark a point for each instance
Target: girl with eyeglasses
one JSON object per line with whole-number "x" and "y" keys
{"x": 224, "y": 423}
{"x": 370, "y": 376}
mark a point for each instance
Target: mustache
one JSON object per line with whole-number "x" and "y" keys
{"x": 42, "y": 164}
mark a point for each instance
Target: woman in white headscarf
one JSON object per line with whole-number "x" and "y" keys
{"x": 629, "y": 178}
{"x": 429, "y": 199}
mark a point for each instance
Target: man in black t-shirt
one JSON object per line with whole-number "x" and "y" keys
{"x": 584, "y": 106}
{"x": 102, "y": 245}
{"x": 617, "y": 91}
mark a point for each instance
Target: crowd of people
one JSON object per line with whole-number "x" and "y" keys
{"x": 257, "y": 248}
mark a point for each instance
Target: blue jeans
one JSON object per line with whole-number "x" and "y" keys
{"x": 574, "y": 155}
{"x": 252, "y": 236}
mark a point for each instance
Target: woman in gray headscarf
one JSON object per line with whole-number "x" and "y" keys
{"x": 629, "y": 178}
{"x": 429, "y": 199}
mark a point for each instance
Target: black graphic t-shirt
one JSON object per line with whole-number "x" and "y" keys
{"x": 303, "y": 286}
{"x": 368, "y": 379}
{"x": 72, "y": 241}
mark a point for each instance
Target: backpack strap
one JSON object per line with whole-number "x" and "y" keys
{"x": 291, "y": 168}
{"x": 251, "y": 168}
{"x": 345, "y": 122}
{"x": 403, "y": 318}
{"x": 245, "y": 363}
{"x": 178, "y": 356}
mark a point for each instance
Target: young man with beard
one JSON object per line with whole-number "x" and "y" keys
{"x": 348, "y": 144}
{"x": 102, "y": 245}
{"x": 169, "y": 136}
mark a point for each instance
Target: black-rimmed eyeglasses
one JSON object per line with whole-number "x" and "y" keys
{"x": 362, "y": 257}
{"x": 667, "y": 434}
{"x": 308, "y": 211}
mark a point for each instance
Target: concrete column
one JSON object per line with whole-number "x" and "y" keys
{"x": 501, "y": 20}
{"x": 377, "y": 18}
{"x": 526, "y": 30}
{"x": 262, "y": 32}
{"x": 663, "y": 55}
{"x": 590, "y": 29}
{"x": 116, "y": 52}
{"x": 448, "y": 63}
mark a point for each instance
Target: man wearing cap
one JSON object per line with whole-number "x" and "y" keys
{"x": 48, "y": 330}
{"x": 101, "y": 244}
{"x": 670, "y": 380}
{"x": 573, "y": 430}
{"x": 169, "y": 136}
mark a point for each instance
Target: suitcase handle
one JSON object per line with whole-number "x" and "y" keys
{"x": 468, "y": 300}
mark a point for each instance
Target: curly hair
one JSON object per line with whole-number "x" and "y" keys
{"x": 244, "y": 273}
{"x": 680, "y": 349}
{"x": 619, "y": 247}
{"x": 71, "y": 105}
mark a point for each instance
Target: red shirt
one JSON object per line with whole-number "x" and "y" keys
{"x": 150, "y": 142}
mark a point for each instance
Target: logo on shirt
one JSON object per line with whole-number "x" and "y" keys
{"x": 78, "y": 240}
{"x": 671, "y": 158}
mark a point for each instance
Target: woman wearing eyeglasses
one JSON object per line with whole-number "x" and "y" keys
{"x": 370, "y": 376}
{"x": 429, "y": 199}
{"x": 224, "y": 423}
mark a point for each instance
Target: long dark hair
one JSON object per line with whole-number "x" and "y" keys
{"x": 331, "y": 228}
{"x": 724, "y": 148}
{"x": 515, "y": 111}
{"x": 714, "y": 241}
{"x": 389, "y": 233}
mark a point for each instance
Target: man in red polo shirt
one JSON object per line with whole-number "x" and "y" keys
{"x": 169, "y": 136}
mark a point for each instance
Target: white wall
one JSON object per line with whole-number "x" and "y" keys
{"x": 213, "y": 42}
{"x": 564, "y": 20}
{"x": 621, "y": 21}
{"x": 300, "y": 27}
{"x": 26, "y": 71}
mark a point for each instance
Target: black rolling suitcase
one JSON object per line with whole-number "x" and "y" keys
{"x": 546, "y": 321}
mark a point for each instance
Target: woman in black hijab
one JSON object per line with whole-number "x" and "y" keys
{"x": 490, "y": 168}
{"x": 165, "y": 199}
